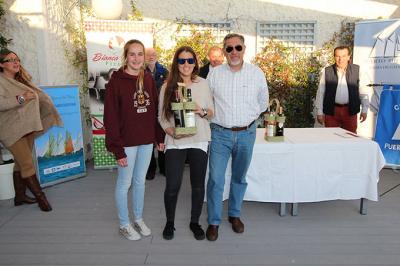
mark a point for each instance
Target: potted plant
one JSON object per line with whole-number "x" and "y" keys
{"x": 6, "y": 174}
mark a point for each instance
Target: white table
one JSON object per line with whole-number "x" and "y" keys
{"x": 311, "y": 165}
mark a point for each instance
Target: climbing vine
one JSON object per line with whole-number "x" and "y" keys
{"x": 135, "y": 13}
{"x": 75, "y": 46}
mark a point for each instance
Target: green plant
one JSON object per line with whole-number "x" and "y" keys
{"x": 291, "y": 79}
{"x": 293, "y": 76}
{"x": 3, "y": 40}
{"x": 200, "y": 41}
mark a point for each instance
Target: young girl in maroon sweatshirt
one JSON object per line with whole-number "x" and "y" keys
{"x": 130, "y": 119}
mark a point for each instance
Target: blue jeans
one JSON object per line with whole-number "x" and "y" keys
{"x": 224, "y": 144}
{"x": 134, "y": 174}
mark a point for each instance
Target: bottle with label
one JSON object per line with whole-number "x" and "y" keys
{"x": 178, "y": 114}
{"x": 271, "y": 124}
{"x": 280, "y": 122}
{"x": 189, "y": 114}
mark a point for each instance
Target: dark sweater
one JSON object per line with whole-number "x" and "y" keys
{"x": 204, "y": 71}
{"x": 160, "y": 75}
{"x": 128, "y": 120}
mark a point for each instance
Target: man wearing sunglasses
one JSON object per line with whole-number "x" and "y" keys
{"x": 240, "y": 95}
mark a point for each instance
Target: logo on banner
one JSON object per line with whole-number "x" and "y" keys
{"x": 116, "y": 42}
{"x": 396, "y": 135}
{"x": 115, "y": 45}
{"x": 387, "y": 42}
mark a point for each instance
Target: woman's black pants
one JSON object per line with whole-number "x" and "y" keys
{"x": 174, "y": 166}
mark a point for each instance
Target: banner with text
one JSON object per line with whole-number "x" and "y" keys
{"x": 388, "y": 124}
{"x": 105, "y": 40}
{"x": 59, "y": 152}
{"x": 377, "y": 51}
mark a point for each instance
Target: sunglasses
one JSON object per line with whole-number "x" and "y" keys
{"x": 12, "y": 60}
{"x": 238, "y": 48}
{"x": 182, "y": 61}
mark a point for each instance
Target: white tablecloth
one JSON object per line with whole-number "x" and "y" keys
{"x": 312, "y": 164}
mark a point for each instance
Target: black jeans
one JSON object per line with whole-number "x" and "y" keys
{"x": 174, "y": 165}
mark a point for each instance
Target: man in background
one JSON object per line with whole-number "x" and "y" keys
{"x": 159, "y": 73}
{"x": 338, "y": 97}
{"x": 215, "y": 57}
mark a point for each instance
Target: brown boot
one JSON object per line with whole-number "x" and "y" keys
{"x": 20, "y": 189}
{"x": 212, "y": 232}
{"x": 33, "y": 184}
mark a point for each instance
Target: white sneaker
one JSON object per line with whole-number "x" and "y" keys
{"x": 129, "y": 232}
{"x": 142, "y": 228}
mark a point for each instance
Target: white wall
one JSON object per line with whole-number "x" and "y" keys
{"x": 37, "y": 30}
{"x": 245, "y": 14}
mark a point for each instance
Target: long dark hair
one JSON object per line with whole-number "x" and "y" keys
{"x": 22, "y": 75}
{"x": 174, "y": 77}
{"x": 140, "y": 80}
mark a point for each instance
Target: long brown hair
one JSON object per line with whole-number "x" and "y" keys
{"x": 22, "y": 76}
{"x": 140, "y": 80}
{"x": 174, "y": 77}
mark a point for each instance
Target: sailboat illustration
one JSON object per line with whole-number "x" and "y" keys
{"x": 78, "y": 142}
{"x": 52, "y": 145}
{"x": 387, "y": 42}
{"x": 396, "y": 135}
{"x": 68, "y": 144}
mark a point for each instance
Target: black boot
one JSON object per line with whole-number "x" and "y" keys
{"x": 198, "y": 232}
{"x": 20, "y": 189}
{"x": 168, "y": 232}
{"x": 33, "y": 184}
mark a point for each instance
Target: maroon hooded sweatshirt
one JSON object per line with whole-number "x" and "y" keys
{"x": 130, "y": 118}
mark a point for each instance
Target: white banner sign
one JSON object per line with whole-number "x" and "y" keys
{"x": 377, "y": 51}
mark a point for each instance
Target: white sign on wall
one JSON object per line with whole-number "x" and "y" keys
{"x": 377, "y": 51}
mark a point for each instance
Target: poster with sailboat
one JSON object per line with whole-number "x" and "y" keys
{"x": 59, "y": 152}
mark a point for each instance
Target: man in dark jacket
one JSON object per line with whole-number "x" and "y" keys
{"x": 215, "y": 57}
{"x": 338, "y": 98}
{"x": 159, "y": 73}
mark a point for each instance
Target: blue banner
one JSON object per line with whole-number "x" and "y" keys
{"x": 59, "y": 152}
{"x": 387, "y": 132}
